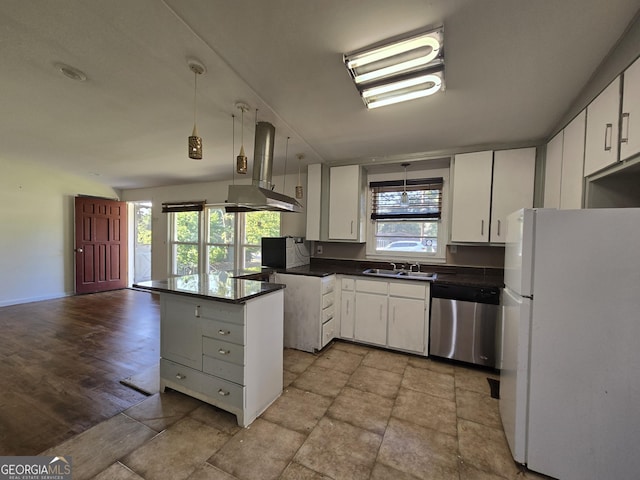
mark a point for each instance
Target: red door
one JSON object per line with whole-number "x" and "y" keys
{"x": 101, "y": 244}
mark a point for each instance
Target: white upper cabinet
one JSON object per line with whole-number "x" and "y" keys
{"x": 472, "y": 173}
{"x": 487, "y": 189}
{"x": 601, "y": 145}
{"x": 317, "y": 202}
{"x": 572, "y": 175}
{"x": 553, "y": 171}
{"x": 564, "y": 166}
{"x": 630, "y": 122}
{"x": 513, "y": 179}
{"x": 346, "y": 204}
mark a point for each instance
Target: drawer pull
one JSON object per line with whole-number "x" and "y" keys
{"x": 608, "y": 133}
{"x": 179, "y": 376}
{"x": 223, "y": 393}
{"x": 224, "y": 332}
{"x": 224, "y": 352}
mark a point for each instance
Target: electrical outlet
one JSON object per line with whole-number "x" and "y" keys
{"x": 319, "y": 249}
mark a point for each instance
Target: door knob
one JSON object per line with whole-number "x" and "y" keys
{"x": 79, "y": 250}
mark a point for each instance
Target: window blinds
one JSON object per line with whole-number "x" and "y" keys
{"x": 424, "y": 194}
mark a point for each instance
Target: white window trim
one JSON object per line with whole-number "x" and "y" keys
{"x": 443, "y": 227}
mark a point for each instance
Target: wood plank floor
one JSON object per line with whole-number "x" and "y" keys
{"x": 61, "y": 362}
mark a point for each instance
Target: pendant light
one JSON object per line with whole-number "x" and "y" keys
{"x": 195, "y": 142}
{"x": 241, "y": 160}
{"x": 404, "y": 199}
{"x": 299, "y": 191}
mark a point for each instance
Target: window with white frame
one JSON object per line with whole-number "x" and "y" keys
{"x": 211, "y": 240}
{"x": 406, "y": 218}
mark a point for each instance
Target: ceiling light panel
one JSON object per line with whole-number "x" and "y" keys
{"x": 409, "y": 68}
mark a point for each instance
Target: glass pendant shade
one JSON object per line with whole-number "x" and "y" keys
{"x": 404, "y": 198}
{"x": 241, "y": 162}
{"x": 195, "y": 145}
{"x": 299, "y": 190}
{"x": 195, "y": 141}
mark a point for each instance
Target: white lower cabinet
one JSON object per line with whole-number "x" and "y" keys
{"x": 408, "y": 316}
{"x": 308, "y": 311}
{"x": 387, "y": 313}
{"x": 347, "y": 308}
{"x": 371, "y": 318}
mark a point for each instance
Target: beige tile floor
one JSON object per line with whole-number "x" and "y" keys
{"x": 351, "y": 412}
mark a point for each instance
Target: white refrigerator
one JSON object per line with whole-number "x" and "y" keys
{"x": 570, "y": 363}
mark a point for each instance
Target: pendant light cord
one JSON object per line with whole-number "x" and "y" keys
{"x": 233, "y": 148}
{"x": 195, "y": 90}
{"x": 286, "y": 156}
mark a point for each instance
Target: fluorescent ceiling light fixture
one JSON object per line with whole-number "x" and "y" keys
{"x": 401, "y": 91}
{"x": 393, "y": 67}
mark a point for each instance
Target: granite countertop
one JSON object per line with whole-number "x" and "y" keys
{"x": 221, "y": 286}
{"x": 446, "y": 274}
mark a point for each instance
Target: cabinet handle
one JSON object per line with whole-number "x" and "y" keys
{"x": 224, "y": 352}
{"x": 224, "y": 332}
{"x": 179, "y": 376}
{"x": 223, "y": 393}
{"x": 608, "y": 132}
{"x": 380, "y": 312}
{"x": 625, "y": 128}
{"x": 351, "y": 227}
{"x": 498, "y": 227}
{"x": 394, "y": 314}
{"x": 197, "y": 313}
{"x": 481, "y": 227}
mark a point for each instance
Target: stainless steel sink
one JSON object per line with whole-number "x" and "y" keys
{"x": 381, "y": 272}
{"x": 419, "y": 275}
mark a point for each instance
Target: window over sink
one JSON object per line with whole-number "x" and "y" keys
{"x": 409, "y": 225}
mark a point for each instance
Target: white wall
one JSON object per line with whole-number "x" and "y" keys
{"x": 37, "y": 240}
{"x": 293, "y": 224}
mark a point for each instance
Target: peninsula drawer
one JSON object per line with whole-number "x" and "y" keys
{"x": 224, "y": 393}
{"x": 227, "y": 312}
{"x": 181, "y": 375}
{"x": 328, "y": 299}
{"x": 348, "y": 284}
{"x": 328, "y": 284}
{"x": 228, "y": 332}
{"x": 229, "y": 352}
{"x": 226, "y": 370}
{"x": 327, "y": 314}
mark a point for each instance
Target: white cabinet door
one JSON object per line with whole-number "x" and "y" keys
{"x": 601, "y": 146}
{"x": 630, "y": 135}
{"x": 345, "y": 203}
{"x": 181, "y": 331}
{"x": 407, "y": 324}
{"x": 513, "y": 177}
{"x": 371, "y": 318}
{"x": 553, "y": 171}
{"x": 572, "y": 177}
{"x": 347, "y": 314}
{"x": 471, "y": 197}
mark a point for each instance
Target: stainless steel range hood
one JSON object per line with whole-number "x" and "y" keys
{"x": 260, "y": 195}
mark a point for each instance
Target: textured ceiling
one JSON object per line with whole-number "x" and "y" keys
{"x": 513, "y": 68}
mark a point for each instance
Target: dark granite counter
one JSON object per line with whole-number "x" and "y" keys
{"x": 446, "y": 274}
{"x": 220, "y": 286}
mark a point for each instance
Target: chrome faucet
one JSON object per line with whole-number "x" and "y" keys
{"x": 393, "y": 265}
{"x": 417, "y": 265}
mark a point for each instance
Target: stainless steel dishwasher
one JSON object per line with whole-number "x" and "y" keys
{"x": 465, "y": 323}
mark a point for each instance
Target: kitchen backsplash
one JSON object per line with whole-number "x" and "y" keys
{"x": 465, "y": 255}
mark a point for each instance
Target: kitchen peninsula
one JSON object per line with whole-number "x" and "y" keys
{"x": 221, "y": 340}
